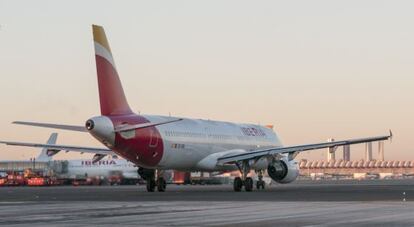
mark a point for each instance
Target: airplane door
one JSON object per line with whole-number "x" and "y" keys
{"x": 153, "y": 138}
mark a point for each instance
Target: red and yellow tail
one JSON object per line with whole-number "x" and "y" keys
{"x": 111, "y": 94}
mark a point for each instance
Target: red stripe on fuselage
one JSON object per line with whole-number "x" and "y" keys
{"x": 145, "y": 149}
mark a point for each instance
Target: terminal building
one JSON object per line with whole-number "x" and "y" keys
{"x": 368, "y": 167}
{"x": 49, "y": 168}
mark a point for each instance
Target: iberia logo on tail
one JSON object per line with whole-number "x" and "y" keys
{"x": 112, "y": 97}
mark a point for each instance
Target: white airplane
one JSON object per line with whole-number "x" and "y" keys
{"x": 103, "y": 168}
{"x": 156, "y": 143}
{"x": 87, "y": 167}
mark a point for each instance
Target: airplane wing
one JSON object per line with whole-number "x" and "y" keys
{"x": 294, "y": 150}
{"x": 100, "y": 151}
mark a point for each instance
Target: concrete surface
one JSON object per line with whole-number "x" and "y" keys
{"x": 339, "y": 203}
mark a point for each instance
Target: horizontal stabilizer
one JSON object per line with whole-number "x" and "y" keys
{"x": 55, "y": 126}
{"x": 92, "y": 150}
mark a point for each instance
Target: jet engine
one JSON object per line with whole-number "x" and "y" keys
{"x": 283, "y": 171}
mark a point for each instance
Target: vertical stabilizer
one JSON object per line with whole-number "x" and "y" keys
{"x": 111, "y": 95}
{"x": 44, "y": 156}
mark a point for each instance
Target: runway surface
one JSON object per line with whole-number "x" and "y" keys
{"x": 334, "y": 203}
{"x": 388, "y": 190}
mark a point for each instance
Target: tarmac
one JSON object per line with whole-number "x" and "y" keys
{"x": 304, "y": 203}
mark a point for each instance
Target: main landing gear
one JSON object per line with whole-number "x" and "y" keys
{"x": 149, "y": 176}
{"x": 161, "y": 183}
{"x": 245, "y": 181}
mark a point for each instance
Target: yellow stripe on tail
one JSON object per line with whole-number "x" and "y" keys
{"x": 100, "y": 37}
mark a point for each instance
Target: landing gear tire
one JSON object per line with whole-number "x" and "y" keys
{"x": 161, "y": 184}
{"x": 260, "y": 184}
{"x": 237, "y": 184}
{"x": 248, "y": 184}
{"x": 150, "y": 185}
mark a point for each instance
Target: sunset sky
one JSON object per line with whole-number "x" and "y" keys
{"x": 314, "y": 69}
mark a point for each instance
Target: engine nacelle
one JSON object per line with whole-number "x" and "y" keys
{"x": 283, "y": 171}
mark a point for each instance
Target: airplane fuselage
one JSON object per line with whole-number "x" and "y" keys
{"x": 181, "y": 145}
{"x": 102, "y": 168}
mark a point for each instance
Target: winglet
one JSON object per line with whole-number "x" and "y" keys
{"x": 390, "y": 136}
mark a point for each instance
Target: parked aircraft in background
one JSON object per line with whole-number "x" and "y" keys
{"x": 46, "y": 155}
{"x": 156, "y": 143}
{"x": 104, "y": 168}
